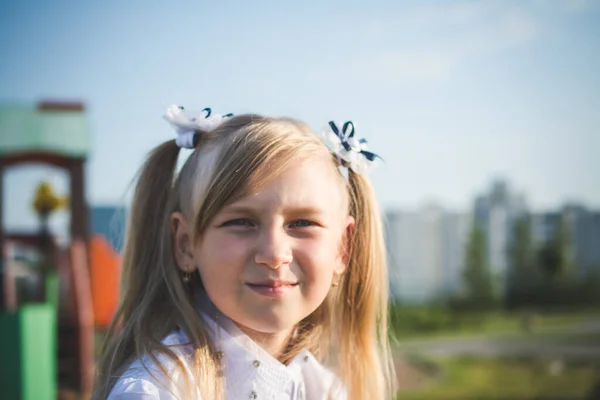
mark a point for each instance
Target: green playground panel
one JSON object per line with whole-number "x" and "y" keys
{"x": 28, "y": 353}
{"x": 24, "y": 128}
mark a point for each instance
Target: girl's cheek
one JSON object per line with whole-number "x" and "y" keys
{"x": 224, "y": 248}
{"x": 317, "y": 255}
{"x": 233, "y": 251}
{"x": 232, "y": 242}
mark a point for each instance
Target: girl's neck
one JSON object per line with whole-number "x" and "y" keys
{"x": 273, "y": 343}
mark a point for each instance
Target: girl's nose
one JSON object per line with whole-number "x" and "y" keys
{"x": 273, "y": 249}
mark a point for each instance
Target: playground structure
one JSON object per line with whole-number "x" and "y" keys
{"x": 47, "y": 340}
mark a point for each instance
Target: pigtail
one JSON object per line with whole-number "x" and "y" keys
{"x": 364, "y": 352}
{"x": 147, "y": 226}
{"x": 149, "y": 220}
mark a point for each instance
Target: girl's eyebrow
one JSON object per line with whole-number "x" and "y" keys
{"x": 288, "y": 210}
{"x": 303, "y": 210}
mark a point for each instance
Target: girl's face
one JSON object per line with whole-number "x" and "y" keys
{"x": 267, "y": 261}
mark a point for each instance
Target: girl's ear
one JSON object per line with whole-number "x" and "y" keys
{"x": 182, "y": 243}
{"x": 344, "y": 251}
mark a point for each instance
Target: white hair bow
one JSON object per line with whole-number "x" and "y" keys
{"x": 186, "y": 123}
{"x": 351, "y": 152}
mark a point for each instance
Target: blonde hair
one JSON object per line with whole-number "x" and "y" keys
{"x": 348, "y": 332}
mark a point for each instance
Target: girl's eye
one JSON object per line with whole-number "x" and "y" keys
{"x": 302, "y": 223}
{"x": 244, "y": 222}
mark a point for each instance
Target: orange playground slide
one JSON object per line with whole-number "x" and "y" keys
{"x": 105, "y": 274}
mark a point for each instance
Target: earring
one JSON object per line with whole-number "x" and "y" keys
{"x": 186, "y": 277}
{"x": 335, "y": 283}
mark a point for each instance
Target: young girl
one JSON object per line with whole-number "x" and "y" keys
{"x": 256, "y": 265}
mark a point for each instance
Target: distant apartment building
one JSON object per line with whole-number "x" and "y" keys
{"x": 455, "y": 235}
{"x": 426, "y": 247}
{"x": 425, "y": 252}
{"x": 543, "y": 226}
{"x": 495, "y": 212}
{"x": 583, "y": 226}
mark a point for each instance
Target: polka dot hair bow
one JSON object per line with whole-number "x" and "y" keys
{"x": 186, "y": 123}
{"x": 351, "y": 151}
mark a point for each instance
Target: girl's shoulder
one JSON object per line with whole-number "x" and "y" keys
{"x": 145, "y": 380}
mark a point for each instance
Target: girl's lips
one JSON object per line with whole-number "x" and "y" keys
{"x": 272, "y": 289}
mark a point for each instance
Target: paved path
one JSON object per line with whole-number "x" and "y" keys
{"x": 561, "y": 343}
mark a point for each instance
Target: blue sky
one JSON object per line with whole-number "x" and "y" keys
{"x": 451, "y": 93}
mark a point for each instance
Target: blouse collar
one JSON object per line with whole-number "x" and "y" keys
{"x": 255, "y": 369}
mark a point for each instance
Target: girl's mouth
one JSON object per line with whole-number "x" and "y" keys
{"x": 272, "y": 288}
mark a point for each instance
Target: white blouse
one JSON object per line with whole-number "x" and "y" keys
{"x": 250, "y": 372}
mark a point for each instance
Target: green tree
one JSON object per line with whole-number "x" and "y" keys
{"x": 554, "y": 256}
{"x": 477, "y": 276}
{"x": 522, "y": 273}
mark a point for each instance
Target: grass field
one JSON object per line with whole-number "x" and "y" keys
{"x": 507, "y": 378}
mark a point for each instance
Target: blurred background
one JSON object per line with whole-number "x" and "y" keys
{"x": 487, "y": 114}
